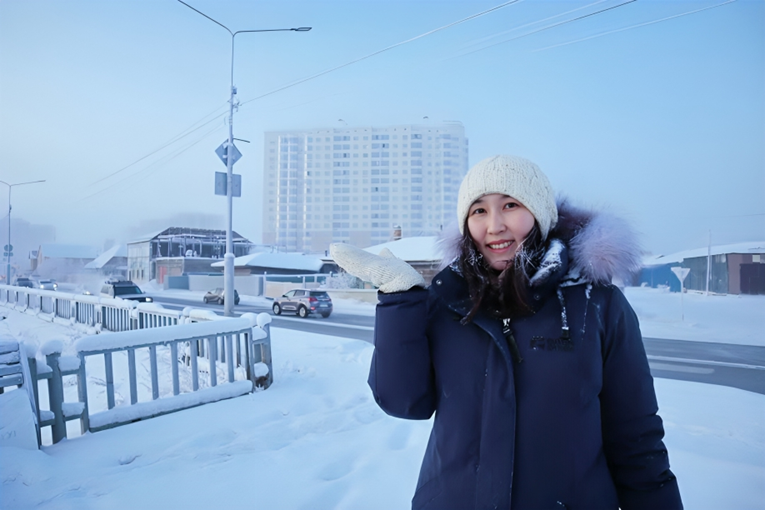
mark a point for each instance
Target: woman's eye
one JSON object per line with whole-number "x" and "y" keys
{"x": 510, "y": 205}
{"x": 477, "y": 210}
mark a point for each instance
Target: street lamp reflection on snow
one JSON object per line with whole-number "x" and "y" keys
{"x": 228, "y": 258}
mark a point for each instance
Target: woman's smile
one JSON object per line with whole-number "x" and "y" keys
{"x": 498, "y": 224}
{"x": 499, "y": 246}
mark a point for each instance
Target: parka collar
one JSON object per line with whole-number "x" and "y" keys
{"x": 453, "y": 289}
{"x": 600, "y": 246}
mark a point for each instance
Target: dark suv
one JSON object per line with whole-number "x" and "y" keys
{"x": 25, "y": 282}
{"x": 124, "y": 289}
{"x": 304, "y": 302}
{"x": 216, "y": 296}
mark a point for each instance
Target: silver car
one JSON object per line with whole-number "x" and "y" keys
{"x": 304, "y": 302}
{"x": 47, "y": 285}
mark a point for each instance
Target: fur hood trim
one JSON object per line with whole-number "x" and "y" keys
{"x": 602, "y": 247}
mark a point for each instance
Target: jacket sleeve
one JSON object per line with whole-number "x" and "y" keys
{"x": 632, "y": 431}
{"x": 401, "y": 376}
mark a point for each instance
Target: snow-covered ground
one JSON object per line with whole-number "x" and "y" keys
{"x": 316, "y": 439}
{"x": 730, "y": 319}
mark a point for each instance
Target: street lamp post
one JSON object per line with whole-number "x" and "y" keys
{"x": 228, "y": 258}
{"x": 10, "y": 246}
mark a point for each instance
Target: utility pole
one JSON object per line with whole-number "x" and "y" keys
{"x": 709, "y": 261}
{"x": 9, "y": 246}
{"x": 228, "y": 257}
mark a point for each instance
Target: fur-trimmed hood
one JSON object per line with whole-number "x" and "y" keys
{"x": 601, "y": 247}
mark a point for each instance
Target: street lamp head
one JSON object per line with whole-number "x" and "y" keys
{"x": 302, "y": 29}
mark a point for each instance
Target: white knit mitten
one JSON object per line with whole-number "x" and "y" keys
{"x": 386, "y": 271}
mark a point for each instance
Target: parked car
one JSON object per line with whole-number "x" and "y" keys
{"x": 47, "y": 285}
{"x": 25, "y": 282}
{"x": 304, "y": 302}
{"x": 216, "y": 296}
{"x": 124, "y": 289}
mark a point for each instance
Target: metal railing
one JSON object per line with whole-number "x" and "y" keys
{"x": 102, "y": 313}
{"x": 208, "y": 361}
{"x": 203, "y": 349}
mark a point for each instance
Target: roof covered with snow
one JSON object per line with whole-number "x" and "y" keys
{"x": 188, "y": 232}
{"x": 752, "y": 247}
{"x": 293, "y": 261}
{"x": 118, "y": 250}
{"x": 412, "y": 249}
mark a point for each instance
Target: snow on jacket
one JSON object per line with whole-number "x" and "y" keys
{"x": 573, "y": 425}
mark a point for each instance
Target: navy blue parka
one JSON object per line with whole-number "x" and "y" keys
{"x": 573, "y": 424}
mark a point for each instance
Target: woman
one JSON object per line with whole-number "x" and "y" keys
{"x": 531, "y": 360}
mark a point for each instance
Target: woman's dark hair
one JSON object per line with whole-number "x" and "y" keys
{"x": 503, "y": 293}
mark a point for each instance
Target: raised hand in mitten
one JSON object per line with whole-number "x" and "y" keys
{"x": 386, "y": 271}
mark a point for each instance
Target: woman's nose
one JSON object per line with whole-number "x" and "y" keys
{"x": 496, "y": 223}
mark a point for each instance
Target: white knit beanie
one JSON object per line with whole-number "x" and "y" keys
{"x": 513, "y": 176}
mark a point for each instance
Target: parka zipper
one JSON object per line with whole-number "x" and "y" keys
{"x": 508, "y": 332}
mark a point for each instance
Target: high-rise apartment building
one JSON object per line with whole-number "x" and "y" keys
{"x": 358, "y": 185}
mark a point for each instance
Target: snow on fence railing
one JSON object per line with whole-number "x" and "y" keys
{"x": 101, "y": 313}
{"x": 204, "y": 362}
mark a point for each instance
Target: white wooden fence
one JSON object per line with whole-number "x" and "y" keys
{"x": 219, "y": 357}
{"x": 101, "y": 313}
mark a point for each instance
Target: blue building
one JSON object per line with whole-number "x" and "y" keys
{"x": 734, "y": 269}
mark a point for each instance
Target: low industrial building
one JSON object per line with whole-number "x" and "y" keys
{"x": 176, "y": 251}
{"x": 734, "y": 269}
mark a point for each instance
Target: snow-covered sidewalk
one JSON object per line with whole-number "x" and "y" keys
{"x": 316, "y": 439}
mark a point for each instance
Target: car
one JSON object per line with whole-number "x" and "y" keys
{"x": 25, "y": 282}
{"x": 124, "y": 289}
{"x": 304, "y": 302}
{"x": 47, "y": 285}
{"x": 216, "y": 296}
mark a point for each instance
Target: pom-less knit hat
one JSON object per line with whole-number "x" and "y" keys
{"x": 512, "y": 176}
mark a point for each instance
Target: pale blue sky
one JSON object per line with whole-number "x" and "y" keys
{"x": 664, "y": 123}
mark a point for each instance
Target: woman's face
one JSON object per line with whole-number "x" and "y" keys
{"x": 498, "y": 224}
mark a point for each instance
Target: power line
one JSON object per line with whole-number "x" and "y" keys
{"x": 430, "y": 32}
{"x": 514, "y": 29}
{"x": 166, "y": 159}
{"x": 634, "y": 26}
{"x": 548, "y": 27}
{"x": 186, "y": 132}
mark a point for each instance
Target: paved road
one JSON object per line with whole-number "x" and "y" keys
{"x": 345, "y": 325}
{"x": 738, "y": 366}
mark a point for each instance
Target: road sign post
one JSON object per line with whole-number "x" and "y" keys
{"x": 681, "y": 273}
{"x": 229, "y": 154}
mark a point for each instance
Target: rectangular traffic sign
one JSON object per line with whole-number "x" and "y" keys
{"x": 221, "y": 180}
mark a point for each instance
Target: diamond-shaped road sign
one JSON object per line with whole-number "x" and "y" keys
{"x": 222, "y": 153}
